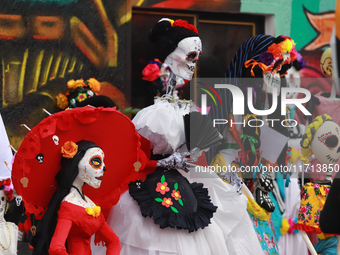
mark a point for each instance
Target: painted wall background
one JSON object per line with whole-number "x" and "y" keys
{"x": 44, "y": 43}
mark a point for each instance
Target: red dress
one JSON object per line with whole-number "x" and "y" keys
{"x": 77, "y": 227}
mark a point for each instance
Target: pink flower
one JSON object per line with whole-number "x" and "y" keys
{"x": 167, "y": 202}
{"x": 268, "y": 241}
{"x": 315, "y": 185}
{"x": 176, "y": 195}
{"x": 303, "y": 210}
{"x": 326, "y": 191}
{"x": 150, "y": 72}
{"x": 255, "y": 222}
{"x": 162, "y": 187}
{"x": 259, "y": 237}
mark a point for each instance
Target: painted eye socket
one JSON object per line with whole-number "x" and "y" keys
{"x": 331, "y": 141}
{"x": 3, "y": 199}
{"x": 191, "y": 56}
{"x": 96, "y": 161}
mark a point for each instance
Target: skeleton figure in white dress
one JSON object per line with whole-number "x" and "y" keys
{"x": 229, "y": 230}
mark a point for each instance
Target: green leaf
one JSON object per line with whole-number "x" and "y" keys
{"x": 180, "y": 201}
{"x": 135, "y": 110}
{"x": 162, "y": 179}
{"x": 176, "y": 186}
{"x": 174, "y": 209}
{"x": 127, "y": 110}
{"x": 158, "y": 199}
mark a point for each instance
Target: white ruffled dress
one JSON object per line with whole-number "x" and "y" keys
{"x": 230, "y": 231}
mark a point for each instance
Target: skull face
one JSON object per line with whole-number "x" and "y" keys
{"x": 92, "y": 167}
{"x": 2, "y": 203}
{"x": 326, "y": 62}
{"x": 40, "y": 158}
{"x": 138, "y": 184}
{"x": 182, "y": 61}
{"x": 55, "y": 139}
{"x": 325, "y": 144}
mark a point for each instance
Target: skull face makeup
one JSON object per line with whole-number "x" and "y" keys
{"x": 2, "y": 203}
{"x": 325, "y": 144}
{"x": 182, "y": 61}
{"x": 92, "y": 167}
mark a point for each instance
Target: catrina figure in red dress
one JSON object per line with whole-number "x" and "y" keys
{"x": 78, "y": 217}
{"x": 60, "y": 173}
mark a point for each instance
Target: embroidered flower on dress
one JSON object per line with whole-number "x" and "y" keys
{"x": 81, "y": 97}
{"x": 162, "y": 187}
{"x": 176, "y": 195}
{"x": 167, "y": 202}
{"x": 268, "y": 241}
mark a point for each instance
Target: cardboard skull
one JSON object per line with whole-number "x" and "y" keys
{"x": 325, "y": 144}
{"x": 182, "y": 61}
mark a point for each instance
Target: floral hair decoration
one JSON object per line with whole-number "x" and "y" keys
{"x": 79, "y": 90}
{"x": 183, "y": 23}
{"x": 273, "y": 59}
{"x": 69, "y": 149}
{"x": 7, "y": 186}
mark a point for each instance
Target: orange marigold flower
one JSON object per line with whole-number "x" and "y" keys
{"x": 275, "y": 49}
{"x": 72, "y": 84}
{"x": 176, "y": 195}
{"x": 69, "y": 149}
{"x": 94, "y": 85}
{"x": 62, "y": 101}
{"x": 167, "y": 202}
{"x": 162, "y": 187}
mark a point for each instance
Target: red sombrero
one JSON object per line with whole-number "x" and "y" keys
{"x": 37, "y": 160}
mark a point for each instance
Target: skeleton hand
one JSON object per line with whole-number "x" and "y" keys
{"x": 177, "y": 161}
{"x": 233, "y": 179}
{"x": 266, "y": 181}
{"x": 263, "y": 200}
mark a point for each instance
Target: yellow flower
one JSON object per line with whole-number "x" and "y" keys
{"x": 72, "y": 84}
{"x": 94, "y": 85}
{"x": 95, "y": 212}
{"x": 285, "y": 226}
{"x": 89, "y": 211}
{"x": 69, "y": 149}
{"x": 62, "y": 101}
{"x": 81, "y": 97}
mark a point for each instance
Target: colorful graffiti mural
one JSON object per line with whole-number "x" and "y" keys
{"x": 46, "y": 43}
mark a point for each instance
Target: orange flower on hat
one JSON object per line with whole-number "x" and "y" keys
{"x": 167, "y": 202}
{"x": 72, "y": 84}
{"x": 62, "y": 101}
{"x": 275, "y": 49}
{"x": 69, "y": 149}
{"x": 94, "y": 85}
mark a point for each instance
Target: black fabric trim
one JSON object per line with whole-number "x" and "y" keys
{"x": 165, "y": 217}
